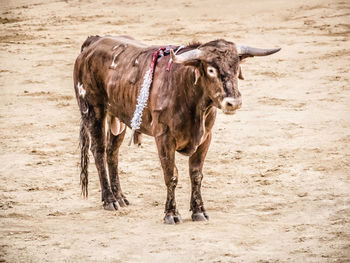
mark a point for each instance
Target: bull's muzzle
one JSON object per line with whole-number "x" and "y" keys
{"x": 230, "y": 105}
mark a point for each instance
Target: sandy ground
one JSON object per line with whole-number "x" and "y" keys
{"x": 277, "y": 176}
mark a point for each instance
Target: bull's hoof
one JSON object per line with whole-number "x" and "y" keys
{"x": 172, "y": 219}
{"x": 126, "y": 201}
{"x": 200, "y": 216}
{"x": 123, "y": 202}
{"x": 109, "y": 206}
{"x": 116, "y": 204}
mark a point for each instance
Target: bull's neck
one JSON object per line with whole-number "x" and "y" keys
{"x": 196, "y": 98}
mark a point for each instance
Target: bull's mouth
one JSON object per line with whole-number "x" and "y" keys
{"x": 229, "y": 112}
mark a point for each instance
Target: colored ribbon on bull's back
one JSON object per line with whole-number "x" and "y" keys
{"x": 144, "y": 94}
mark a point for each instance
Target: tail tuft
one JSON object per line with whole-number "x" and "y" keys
{"x": 84, "y": 161}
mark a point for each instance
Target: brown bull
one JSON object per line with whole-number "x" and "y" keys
{"x": 180, "y": 113}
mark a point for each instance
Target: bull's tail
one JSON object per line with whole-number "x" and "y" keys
{"x": 84, "y": 159}
{"x": 89, "y": 41}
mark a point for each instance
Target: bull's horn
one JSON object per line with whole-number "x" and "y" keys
{"x": 189, "y": 55}
{"x": 252, "y": 51}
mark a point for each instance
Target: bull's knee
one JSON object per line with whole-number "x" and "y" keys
{"x": 196, "y": 177}
{"x": 173, "y": 182}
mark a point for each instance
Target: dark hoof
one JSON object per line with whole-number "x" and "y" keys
{"x": 172, "y": 220}
{"x": 116, "y": 205}
{"x": 126, "y": 201}
{"x": 109, "y": 206}
{"x": 200, "y": 216}
{"x": 123, "y": 202}
{"x": 178, "y": 219}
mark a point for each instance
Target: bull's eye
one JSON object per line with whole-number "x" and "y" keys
{"x": 211, "y": 72}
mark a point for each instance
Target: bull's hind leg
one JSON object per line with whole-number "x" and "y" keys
{"x": 196, "y": 162}
{"x": 115, "y": 138}
{"x": 95, "y": 125}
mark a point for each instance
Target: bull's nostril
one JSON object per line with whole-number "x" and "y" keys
{"x": 229, "y": 104}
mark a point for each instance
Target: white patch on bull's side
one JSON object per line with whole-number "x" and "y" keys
{"x": 115, "y": 47}
{"x": 114, "y": 65}
{"x": 81, "y": 90}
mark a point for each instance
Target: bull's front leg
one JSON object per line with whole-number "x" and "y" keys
{"x": 196, "y": 162}
{"x": 166, "y": 151}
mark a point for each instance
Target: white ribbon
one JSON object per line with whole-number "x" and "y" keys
{"x": 141, "y": 103}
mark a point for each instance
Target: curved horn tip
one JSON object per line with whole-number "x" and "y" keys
{"x": 275, "y": 50}
{"x": 251, "y": 51}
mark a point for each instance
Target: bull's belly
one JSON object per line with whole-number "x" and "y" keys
{"x": 122, "y": 105}
{"x": 124, "y": 118}
{"x": 186, "y": 145}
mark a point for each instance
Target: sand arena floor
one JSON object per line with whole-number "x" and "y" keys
{"x": 277, "y": 175}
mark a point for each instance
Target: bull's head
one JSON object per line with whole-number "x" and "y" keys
{"x": 217, "y": 69}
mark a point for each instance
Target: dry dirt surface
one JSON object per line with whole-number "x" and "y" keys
{"x": 277, "y": 175}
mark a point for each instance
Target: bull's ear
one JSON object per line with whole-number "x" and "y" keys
{"x": 240, "y": 74}
{"x": 197, "y": 75}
